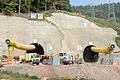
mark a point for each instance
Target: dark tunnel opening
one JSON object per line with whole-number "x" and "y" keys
{"x": 39, "y": 49}
{"x": 90, "y": 56}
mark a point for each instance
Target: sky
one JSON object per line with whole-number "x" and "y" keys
{"x": 90, "y": 2}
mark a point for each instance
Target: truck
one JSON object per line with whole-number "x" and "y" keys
{"x": 33, "y": 58}
{"x": 65, "y": 59}
{"x": 33, "y": 51}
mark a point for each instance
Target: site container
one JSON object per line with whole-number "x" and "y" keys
{"x": 54, "y": 60}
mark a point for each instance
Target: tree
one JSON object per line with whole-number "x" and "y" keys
{"x": 27, "y": 6}
{"x": 9, "y": 6}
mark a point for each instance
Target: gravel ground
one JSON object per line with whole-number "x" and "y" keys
{"x": 89, "y": 71}
{"x": 39, "y": 70}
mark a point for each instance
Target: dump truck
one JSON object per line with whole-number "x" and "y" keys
{"x": 30, "y": 57}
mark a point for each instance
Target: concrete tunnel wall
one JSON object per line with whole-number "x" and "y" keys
{"x": 80, "y": 34}
{"x": 64, "y": 37}
{"x": 25, "y": 31}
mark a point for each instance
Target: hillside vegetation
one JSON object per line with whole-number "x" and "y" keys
{"x": 16, "y": 76}
{"x": 101, "y": 11}
{"x": 27, "y": 6}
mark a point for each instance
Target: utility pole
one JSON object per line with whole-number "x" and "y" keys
{"x": 93, "y": 11}
{"x": 19, "y": 6}
{"x": 111, "y": 13}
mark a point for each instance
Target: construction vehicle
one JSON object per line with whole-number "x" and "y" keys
{"x": 33, "y": 57}
{"x": 33, "y": 51}
{"x": 91, "y": 53}
{"x": 30, "y": 57}
{"x": 65, "y": 59}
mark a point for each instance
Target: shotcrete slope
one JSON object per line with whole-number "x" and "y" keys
{"x": 78, "y": 32}
{"x": 25, "y": 31}
{"x": 68, "y": 33}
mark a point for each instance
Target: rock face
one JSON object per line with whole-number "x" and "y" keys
{"x": 69, "y": 34}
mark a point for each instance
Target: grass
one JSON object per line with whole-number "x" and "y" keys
{"x": 16, "y": 76}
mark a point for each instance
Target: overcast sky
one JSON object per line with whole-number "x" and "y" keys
{"x": 90, "y": 2}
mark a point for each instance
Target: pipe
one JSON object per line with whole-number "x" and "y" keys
{"x": 100, "y": 50}
{"x": 19, "y": 45}
{"x": 103, "y": 50}
{"x": 33, "y": 48}
{"x": 91, "y": 53}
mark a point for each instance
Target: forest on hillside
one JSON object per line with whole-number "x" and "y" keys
{"x": 34, "y": 6}
{"x": 27, "y": 6}
{"x": 101, "y": 11}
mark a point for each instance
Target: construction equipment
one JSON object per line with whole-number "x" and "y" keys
{"x": 33, "y": 51}
{"x": 91, "y": 53}
{"x": 65, "y": 59}
{"x": 30, "y": 57}
{"x": 32, "y": 48}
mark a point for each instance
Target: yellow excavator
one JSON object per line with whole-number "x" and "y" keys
{"x": 91, "y": 53}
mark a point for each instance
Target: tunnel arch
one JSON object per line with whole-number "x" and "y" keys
{"x": 38, "y": 49}
{"x": 90, "y": 56}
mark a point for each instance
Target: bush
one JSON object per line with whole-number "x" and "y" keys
{"x": 34, "y": 77}
{"x": 83, "y": 79}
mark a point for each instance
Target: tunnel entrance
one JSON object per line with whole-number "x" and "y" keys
{"x": 39, "y": 49}
{"x": 90, "y": 56}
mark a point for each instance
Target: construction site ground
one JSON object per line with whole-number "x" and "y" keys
{"x": 87, "y": 70}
